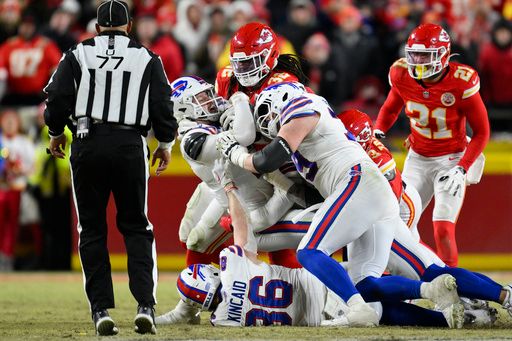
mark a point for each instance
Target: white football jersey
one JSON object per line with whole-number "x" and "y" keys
{"x": 262, "y": 294}
{"x": 254, "y": 192}
{"x": 328, "y": 151}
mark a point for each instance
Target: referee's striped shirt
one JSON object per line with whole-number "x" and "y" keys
{"x": 111, "y": 78}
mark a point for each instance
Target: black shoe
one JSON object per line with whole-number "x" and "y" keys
{"x": 145, "y": 320}
{"x": 103, "y": 323}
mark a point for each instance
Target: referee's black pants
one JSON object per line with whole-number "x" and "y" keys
{"x": 112, "y": 160}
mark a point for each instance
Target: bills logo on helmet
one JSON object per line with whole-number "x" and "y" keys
{"x": 178, "y": 88}
{"x": 448, "y": 99}
{"x": 265, "y": 37}
{"x": 196, "y": 271}
{"x": 444, "y": 37}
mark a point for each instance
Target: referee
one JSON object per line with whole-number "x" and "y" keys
{"x": 110, "y": 91}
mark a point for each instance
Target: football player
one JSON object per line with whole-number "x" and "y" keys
{"x": 303, "y": 126}
{"x": 248, "y": 292}
{"x": 360, "y": 125}
{"x": 439, "y": 97}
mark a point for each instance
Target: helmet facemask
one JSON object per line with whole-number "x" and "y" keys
{"x": 249, "y": 70}
{"x": 424, "y": 62}
{"x": 267, "y": 120}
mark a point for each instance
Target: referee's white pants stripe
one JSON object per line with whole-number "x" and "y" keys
{"x": 150, "y": 226}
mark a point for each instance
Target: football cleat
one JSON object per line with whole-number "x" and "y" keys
{"x": 480, "y": 317}
{"x": 145, "y": 320}
{"x": 507, "y": 303}
{"x": 442, "y": 290}
{"x": 182, "y": 313}
{"x": 362, "y": 315}
{"x": 104, "y": 324}
{"x": 474, "y": 304}
{"x": 454, "y": 315}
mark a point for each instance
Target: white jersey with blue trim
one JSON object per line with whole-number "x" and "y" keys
{"x": 329, "y": 150}
{"x": 262, "y": 294}
{"x": 254, "y": 192}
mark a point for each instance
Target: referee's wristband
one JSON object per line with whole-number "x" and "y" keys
{"x": 166, "y": 145}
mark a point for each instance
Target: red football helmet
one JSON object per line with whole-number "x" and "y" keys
{"x": 358, "y": 124}
{"x": 427, "y": 51}
{"x": 254, "y": 52}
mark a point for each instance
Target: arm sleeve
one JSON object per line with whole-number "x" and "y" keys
{"x": 160, "y": 105}
{"x": 61, "y": 96}
{"x": 476, "y": 114}
{"x": 389, "y": 111}
{"x": 244, "y": 129}
{"x": 201, "y": 147}
{"x": 272, "y": 156}
{"x": 267, "y": 215}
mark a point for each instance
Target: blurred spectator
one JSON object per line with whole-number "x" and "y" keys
{"x": 18, "y": 152}
{"x": 60, "y": 24}
{"x": 90, "y": 31}
{"x": 322, "y": 68}
{"x": 495, "y": 66}
{"x": 191, "y": 29}
{"x": 51, "y": 185}
{"x": 217, "y": 38}
{"x": 162, "y": 44}
{"x": 301, "y": 23}
{"x": 369, "y": 96}
{"x": 10, "y": 14}
{"x": 359, "y": 53}
{"x": 26, "y": 63}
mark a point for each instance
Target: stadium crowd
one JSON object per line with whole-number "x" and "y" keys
{"x": 347, "y": 47}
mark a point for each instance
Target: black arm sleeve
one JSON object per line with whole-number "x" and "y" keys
{"x": 60, "y": 103}
{"x": 272, "y": 156}
{"x": 160, "y": 105}
{"x": 193, "y": 145}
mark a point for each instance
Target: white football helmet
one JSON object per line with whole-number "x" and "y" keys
{"x": 196, "y": 99}
{"x": 198, "y": 284}
{"x": 270, "y": 104}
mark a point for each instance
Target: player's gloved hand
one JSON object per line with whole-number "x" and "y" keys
{"x": 195, "y": 238}
{"x": 379, "y": 134}
{"x": 231, "y": 149}
{"x": 227, "y": 118}
{"x": 454, "y": 181}
{"x": 238, "y": 97}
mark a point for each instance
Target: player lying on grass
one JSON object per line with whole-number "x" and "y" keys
{"x": 248, "y": 292}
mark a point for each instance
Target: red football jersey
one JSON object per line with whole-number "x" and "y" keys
{"x": 224, "y": 76}
{"x": 29, "y": 64}
{"x": 384, "y": 160}
{"x": 438, "y": 125}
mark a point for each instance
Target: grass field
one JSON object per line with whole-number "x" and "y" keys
{"x": 46, "y": 306}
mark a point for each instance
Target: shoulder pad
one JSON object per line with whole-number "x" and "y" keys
{"x": 297, "y": 107}
{"x": 230, "y": 253}
{"x": 193, "y": 144}
{"x": 467, "y": 79}
{"x": 397, "y": 70}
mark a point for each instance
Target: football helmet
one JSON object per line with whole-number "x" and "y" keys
{"x": 253, "y": 53}
{"x": 358, "y": 124}
{"x": 196, "y": 99}
{"x": 198, "y": 284}
{"x": 270, "y": 103}
{"x": 427, "y": 51}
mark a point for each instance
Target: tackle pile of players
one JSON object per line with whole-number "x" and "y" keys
{"x": 283, "y": 173}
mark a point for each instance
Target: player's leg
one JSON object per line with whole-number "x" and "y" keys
{"x": 343, "y": 218}
{"x": 446, "y": 211}
{"x": 418, "y": 174}
{"x": 410, "y": 209}
{"x": 404, "y": 314}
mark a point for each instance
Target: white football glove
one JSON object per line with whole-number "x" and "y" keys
{"x": 454, "y": 181}
{"x": 379, "y": 134}
{"x": 231, "y": 149}
{"x": 221, "y": 172}
{"x": 227, "y": 118}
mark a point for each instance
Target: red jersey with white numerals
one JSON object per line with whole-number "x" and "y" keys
{"x": 28, "y": 63}
{"x": 438, "y": 125}
{"x": 224, "y": 77}
{"x": 382, "y": 157}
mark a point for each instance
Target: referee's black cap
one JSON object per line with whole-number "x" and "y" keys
{"x": 113, "y": 13}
